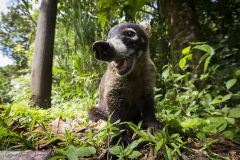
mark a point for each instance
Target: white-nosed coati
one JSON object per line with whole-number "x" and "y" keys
{"x": 126, "y": 88}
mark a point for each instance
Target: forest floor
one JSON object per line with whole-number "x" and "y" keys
{"x": 62, "y": 133}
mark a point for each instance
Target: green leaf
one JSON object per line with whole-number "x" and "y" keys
{"x": 90, "y": 135}
{"x": 167, "y": 152}
{"x": 7, "y": 112}
{"x": 57, "y": 70}
{"x": 222, "y": 127}
{"x": 116, "y": 150}
{"x": 3, "y": 123}
{"x": 73, "y": 152}
{"x": 197, "y": 43}
{"x": 176, "y": 149}
{"x": 230, "y": 83}
{"x": 134, "y": 144}
{"x": 188, "y": 57}
{"x": 32, "y": 123}
{"x": 204, "y": 57}
{"x": 229, "y": 134}
{"x": 217, "y": 100}
{"x": 145, "y": 136}
{"x": 134, "y": 154}
{"x": 165, "y": 73}
{"x": 57, "y": 157}
{"x": 102, "y": 19}
{"x": 201, "y": 136}
{"x": 191, "y": 122}
{"x": 205, "y": 48}
{"x": 128, "y": 150}
{"x": 158, "y": 146}
{"x": 203, "y": 76}
{"x": 226, "y": 97}
{"x": 132, "y": 6}
{"x": 234, "y": 112}
{"x": 4, "y": 132}
{"x": 51, "y": 140}
{"x": 186, "y": 50}
{"x": 182, "y": 63}
{"x": 206, "y": 63}
{"x": 230, "y": 120}
{"x": 139, "y": 3}
{"x": 86, "y": 151}
{"x": 60, "y": 151}
{"x": 214, "y": 124}
{"x": 237, "y": 72}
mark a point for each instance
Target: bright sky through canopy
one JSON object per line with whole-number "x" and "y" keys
{"x": 4, "y": 60}
{"x": 3, "y": 6}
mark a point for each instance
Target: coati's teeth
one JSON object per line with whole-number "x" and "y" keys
{"x": 115, "y": 63}
{"x": 118, "y": 63}
{"x": 125, "y": 63}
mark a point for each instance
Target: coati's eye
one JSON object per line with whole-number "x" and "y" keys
{"x": 129, "y": 33}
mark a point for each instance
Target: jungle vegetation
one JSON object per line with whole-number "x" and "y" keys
{"x": 195, "y": 46}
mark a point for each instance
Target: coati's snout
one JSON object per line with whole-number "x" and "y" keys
{"x": 121, "y": 60}
{"x": 103, "y": 51}
{"x": 126, "y": 43}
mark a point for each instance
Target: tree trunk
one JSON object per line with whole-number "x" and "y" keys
{"x": 183, "y": 28}
{"x": 41, "y": 77}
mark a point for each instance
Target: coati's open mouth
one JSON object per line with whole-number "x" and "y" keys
{"x": 124, "y": 66}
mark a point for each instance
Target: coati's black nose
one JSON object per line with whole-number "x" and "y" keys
{"x": 103, "y": 50}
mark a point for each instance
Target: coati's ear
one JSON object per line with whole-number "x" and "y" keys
{"x": 146, "y": 27}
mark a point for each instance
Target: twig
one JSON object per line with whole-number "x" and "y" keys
{"x": 26, "y": 6}
{"x": 148, "y": 12}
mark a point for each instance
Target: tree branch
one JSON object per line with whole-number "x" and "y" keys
{"x": 148, "y": 12}
{"x": 26, "y": 7}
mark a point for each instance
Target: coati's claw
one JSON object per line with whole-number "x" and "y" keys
{"x": 153, "y": 126}
{"x": 154, "y": 129}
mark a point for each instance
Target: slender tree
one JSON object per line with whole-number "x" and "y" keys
{"x": 183, "y": 28}
{"x": 41, "y": 77}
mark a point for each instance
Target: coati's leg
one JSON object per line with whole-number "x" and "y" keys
{"x": 149, "y": 118}
{"x": 117, "y": 108}
{"x": 96, "y": 114}
{"x": 123, "y": 128}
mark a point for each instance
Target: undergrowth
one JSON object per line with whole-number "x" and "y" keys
{"x": 193, "y": 109}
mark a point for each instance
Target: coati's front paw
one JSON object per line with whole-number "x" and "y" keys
{"x": 123, "y": 138}
{"x": 96, "y": 114}
{"x": 153, "y": 126}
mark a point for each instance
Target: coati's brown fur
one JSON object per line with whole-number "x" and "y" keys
{"x": 130, "y": 97}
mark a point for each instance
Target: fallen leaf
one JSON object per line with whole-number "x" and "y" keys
{"x": 58, "y": 125}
